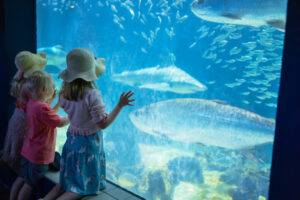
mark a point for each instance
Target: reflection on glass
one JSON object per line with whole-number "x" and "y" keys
{"x": 205, "y": 75}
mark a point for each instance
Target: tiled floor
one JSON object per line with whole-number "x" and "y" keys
{"x": 112, "y": 191}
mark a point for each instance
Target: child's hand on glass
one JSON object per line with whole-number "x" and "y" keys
{"x": 124, "y": 99}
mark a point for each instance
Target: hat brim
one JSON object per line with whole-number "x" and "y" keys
{"x": 68, "y": 76}
{"x": 33, "y": 69}
{"x": 100, "y": 66}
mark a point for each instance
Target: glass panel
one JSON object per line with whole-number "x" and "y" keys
{"x": 205, "y": 75}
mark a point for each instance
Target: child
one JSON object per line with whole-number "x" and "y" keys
{"x": 27, "y": 63}
{"x": 39, "y": 146}
{"x": 82, "y": 169}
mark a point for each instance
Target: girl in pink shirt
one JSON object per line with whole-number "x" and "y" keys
{"x": 17, "y": 130}
{"x": 39, "y": 146}
{"x": 82, "y": 169}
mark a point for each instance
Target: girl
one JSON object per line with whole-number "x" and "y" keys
{"x": 39, "y": 146}
{"x": 27, "y": 63}
{"x": 82, "y": 169}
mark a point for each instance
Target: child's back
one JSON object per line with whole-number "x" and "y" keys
{"x": 85, "y": 113}
{"x": 82, "y": 169}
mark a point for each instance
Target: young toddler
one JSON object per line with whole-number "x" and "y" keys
{"x": 39, "y": 146}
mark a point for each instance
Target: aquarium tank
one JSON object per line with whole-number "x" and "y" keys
{"x": 205, "y": 74}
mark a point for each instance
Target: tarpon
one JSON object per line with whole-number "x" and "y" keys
{"x": 170, "y": 79}
{"x": 205, "y": 122}
{"x": 245, "y": 12}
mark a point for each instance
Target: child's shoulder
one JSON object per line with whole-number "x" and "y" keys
{"x": 92, "y": 96}
{"x": 92, "y": 92}
{"x": 35, "y": 105}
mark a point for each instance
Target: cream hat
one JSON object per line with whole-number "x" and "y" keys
{"x": 28, "y": 62}
{"x": 81, "y": 63}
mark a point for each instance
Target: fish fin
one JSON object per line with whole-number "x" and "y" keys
{"x": 277, "y": 23}
{"x": 231, "y": 15}
{"x": 220, "y": 101}
{"x": 201, "y": 144}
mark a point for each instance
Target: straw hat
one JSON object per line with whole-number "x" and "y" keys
{"x": 28, "y": 62}
{"x": 81, "y": 63}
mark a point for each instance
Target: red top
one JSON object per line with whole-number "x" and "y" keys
{"x": 39, "y": 146}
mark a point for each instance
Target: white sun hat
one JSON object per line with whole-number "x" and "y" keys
{"x": 28, "y": 62}
{"x": 81, "y": 63}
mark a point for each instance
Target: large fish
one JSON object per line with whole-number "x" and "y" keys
{"x": 170, "y": 79}
{"x": 56, "y": 58}
{"x": 205, "y": 122}
{"x": 245, "y": 12}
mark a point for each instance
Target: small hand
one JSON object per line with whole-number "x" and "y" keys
{"x": 124, "y": 99}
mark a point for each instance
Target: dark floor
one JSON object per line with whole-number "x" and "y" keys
{"x": 112, "y": 191}
{"x": 4, "y": 193}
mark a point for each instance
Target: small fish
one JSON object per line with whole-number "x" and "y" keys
{"x": 192, "y": 45}
{"x": 235, "y": 36}
{"x": 211, "y": 82}
{"x": 208, "y": 66}
{"x": 245, "y": 93}
{"x": 272, "y": 105}
{"x": 235, "y": 50}
{"x": 144, "y": 50}
{"x": 113, "y": 8}
{"x": 123, "y": 39}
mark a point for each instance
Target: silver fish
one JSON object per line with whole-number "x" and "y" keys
{"x": 169, "y": 78}
{"x": 205, "y": 122}
{"x": 254, "y": 13}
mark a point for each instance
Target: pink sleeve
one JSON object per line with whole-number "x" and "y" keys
{"x": 96, "y": 106}
{"x": 49, "y": 116}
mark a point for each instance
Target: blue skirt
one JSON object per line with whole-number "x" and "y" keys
{"x": 82, "y": 169}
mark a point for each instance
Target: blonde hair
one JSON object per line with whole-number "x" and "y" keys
{"x": 75, "y": 89}
{"x": 38, "y": 80}
{"x": 16, "y": 87}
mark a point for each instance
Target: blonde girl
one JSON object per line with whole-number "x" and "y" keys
{"x": 82, "y": 169}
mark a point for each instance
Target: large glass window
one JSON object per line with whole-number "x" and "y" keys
{"x": 205, "y": 76}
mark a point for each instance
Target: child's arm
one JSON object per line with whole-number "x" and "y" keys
{"x": 65, "y": 121}
{"x": 124, "y": 101}
{"x": 56, "y": 107}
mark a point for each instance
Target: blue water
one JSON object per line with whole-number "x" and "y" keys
{"x": 239, "y": 65}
